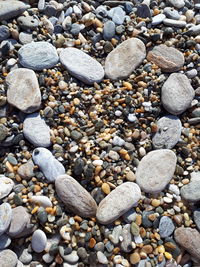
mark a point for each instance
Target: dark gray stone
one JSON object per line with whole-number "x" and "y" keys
{"x": 4, "y": 32}
{"x": 11, "y": 9}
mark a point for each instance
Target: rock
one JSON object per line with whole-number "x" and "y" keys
{"x": 8, "y": 258}
{"x": 118, "y": 141}
{"x": 169, "y": 59}
{"x": 5, "y": 217}
{"x": 168, "y": 132}
{"x": 126, "y": 244}
{"x": 189, "y": 239}
{"x": 102, "y": 258}
{"x": 23, "y": 90}
{"x": 177, "y": 93}
{"x": 71, "y": 258}
{"x": 175, "y": 23}
{"x": 3, "y": 132}
{"x": 6, "y": 186}
{"x": 81, "y": 65}
{"x": 108, "y": 30}
{"x": 4, "y": 32}
{"x": 19, "y": 222}
{"x": 166, "y": 227}
{"x": 38, "y": 241}
{"x": 177, "y": 3}
{"x": 42, "y": 201}
{"x": 116, "y": 233}
{"x": 28, "y": 22}
{"x": 190, "y": 192}
{"x": 75, "y": 197}
{"x": 11, "y": 9}
{"x": 4, "y": 241}
{"x": 119, "y": 65}
{"x": 36, "y": 131}
{"x": 143, "y": 11}
{"x": 158, "y": 19}
{"x": 47, "y": 163}
{"x": 26, "y": 171}
{"x": 171, "y": 13}
{"x": 38, "y": 55}
{"x": 135, "y": 230}
{"x": 25, "y": 37}
{"x": 25, "y": 257}
{"x": 155, "y": 170}
{"x": 196, "y": 215}
{"x": 119, "y": 201}
{"x": 117, "y": 14}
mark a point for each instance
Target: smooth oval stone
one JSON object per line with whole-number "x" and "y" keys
{"x": 26, "y": 170}
{"x": 47, "y": 163}
{"x": 42, "y": 201}
{"x": 166, "y": 227}
{"x": 117, "y": 14}
{"x": 4, "y": 32}
{"x": 155, "y": 170}
{"x": 5, "y": 217}
{"x": 177, "y": 93}
{"x": 81, "y": 65}
{"x": 190, "y": 192}
{"x": 20, "y": 220}
{"x": 175, "y": 23}
{"x": 25, "y": 37}
{"x": 8, "y": 258}
{"x": 119, "y": 201}
{"x": 75, "y": 197}
{"x": 6, "y": 186}
{"x": 169, "y": 59}
{"x": 158, "y": 19}
{"x": 38, "y": 55}
{"x": 4, "y": 241}
{"x": 36, "y": 130}
{"x": 168, "y": 132}
{"x": 108, "y": 30}
{"x": 39, "y": 241}
{"x": 28, "y": 22}
{"x": 124, "y": 59}
{"x": 23, "y": 90}
{"x": 11, "y": 9}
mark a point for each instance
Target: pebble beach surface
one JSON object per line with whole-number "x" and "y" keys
{"x": 99, "y": 133}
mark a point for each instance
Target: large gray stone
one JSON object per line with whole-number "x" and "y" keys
{"x": 6, "y": 186}
{"x": 190, "y": 192}
{"x": 39, "y": 241}
{"x": 5, "y": 217}
{"x": 11, "y": 8}
{"x": 75, "y": 197}
{"x": 155, "y": 170}
{"x": 38, "y": 55}
{"x": 23, "y": 90}
{"x": 81, "y": 65}
{"x": 8, "y": 258}
{"x": 125, "y": 58}
{"x": 177, "y": 93}
{"x": 119, "y": 201}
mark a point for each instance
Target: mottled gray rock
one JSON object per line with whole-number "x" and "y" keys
{"x": 75, "y": 197}
{"x": 108, "y": 30}
{"x": 3, "y": 132}
{"x": 171, "y": 13}
{"x": 177, "y": 3}
{"x": 39, "y": 241}
{"x": 5, "y": 217}
{"x": 25, "y": 257}
{"x": 71, "y": 258}
{"x": 81, "y": 65}
{"x": 6, "y": 186}
{"x": 169, "y": 59}
{"x": 177, "y": 93}
{"x": 116, "y": 233}
{"x": 23, "y": 90}
{"x": 155, "y": 170}
{"x": 4, "y": 32}
{"x": 168, "y": 132}
{"x": 127, "y": 239}
{"x": 117, "y": 14}
{"x": 25, "y": 37}
{"x": 8, "y": 258}
{"x": 28, "y": 22}
{"x": 166, "y": 227}
{"x": 10, "y": 9}
{"x": 47, "y": 163}
{"x": 4, "y": 241}
{"x": 175, "y": 23}
{"x": 190, "y": 192}
{"x": 26, "y": 171}
{"x": 120, "y": 64}
{"x": 36, "y": 130}
{"x": 38, "y": 55}
{"x": 101, "y": 258}
{"x": 119, "y": 201}
{"x": 158, "y": 19}
{"x": 143, "y": 11}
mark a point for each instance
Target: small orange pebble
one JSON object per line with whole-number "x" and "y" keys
{"x": 168, "y": 255}
{"x": 116, "y": 250}
{"x": 156, "y": 11}
{"x": 105, "y": 188}
{"x": 138, "y": 219}
{"x": 35, "y": 210}
{"x": 157, "y": 236}
{"x": 37, "y": 188}
{"x": 78, "y": 218}
{"x": 18, "y": 178}
{"x": 154, "y": 128}
{"x": 127, "y": 157}
{"x": 49, "y": 210}
{"x": 92, "y": 242}
{"x": 128, "y": 85}
{"x": 9, "y": 166}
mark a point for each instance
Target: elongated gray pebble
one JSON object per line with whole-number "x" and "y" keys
{"x": 6, "y": 186}
{"x": 5, "y": 217}
{"x": 11, "y": 9}
{"x": 39, "y": 241}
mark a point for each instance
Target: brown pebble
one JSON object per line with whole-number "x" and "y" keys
{"x": 155, "y": 203}
{"x": 147, "y": 249}
{"x": 178, "y": 219}
{"x": 92, "y": 242}
{"x": 138, "y": 219}
{"x": 134, "y": 258}
{"x": 105, "y": 188}
{"x": 37, "y": 188}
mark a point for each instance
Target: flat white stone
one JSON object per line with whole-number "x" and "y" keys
{"x": 5, "y": 217}
{"x": 42, "y": 201}
{"x": 6, "y": 186}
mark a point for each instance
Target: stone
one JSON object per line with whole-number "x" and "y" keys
{"x": 42, "y": 201}
{"x": 23, "y": 90}
{"x": 4, "y": 241}
{"x": 116, "y": 233}
{"x": 175, "y": 23}
{"x": 39, "y": 241}
{"x": 36, "y": 131}
{"x": 25, "y": 37}
{"x": 168, "y": 132}
{"x": 28, "y": 22}
{"x": 6, "y": 186}
{"x": 38, "y": 55}
{"x": 196, "y": 216}
{"x": 189, "y": 239}
{"x": 47, "y": 163}
{"x": 8, "y": 258}
{"x": 119, "y": 201}
{"x": 5, "y": 217}
{"x": 75, "y": 197}
{"x": 126, "y": 244}
{"x": 190, "y": 192}
{"x": 108, "y": 30}
{"x": 169, "y": 59}
{"x": 3, "y": 132}
{"x": 81, "y": 65}
{"x": 102, "y": 258}
{"x": 155, "y": 170}
{"x": 71, "y": 258}
{"x": 177, "y": 3}
{"x": 11, "y": 9}
{"x": 26, "y": 171}
{"x": 4, "y": 33}
{"x": 135, "y": 230}
{"x": 118, "y": 141}
{"x": 171, "y": 13}
{"x": 143, "y": 11}
{"x": 117, "y": 14}
{"x": 119, "y": 65}
{"x": 166, "y": 227}
{"x": 19, "y": 222}
{"x": 177, "y": 93}
{"x": 158, "y": 19}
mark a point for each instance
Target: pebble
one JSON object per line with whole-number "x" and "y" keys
{"x": 119, "y": 65}
{"x": 158, "y": 19}
{"x": 155, "y": 170}
{"x": 71, "y": 258}
{"x": 5, "y": 217}
{"x": 75, "y": 197}
{"x": 11, "y": 9}
{"x": 117, "y": 14}
{"x": 190, "y": 192}
{"x": 177, "y": 3}
{"x": 116, "y": 233}
{"x": 118, "y": 141}
{"x": 126, "y": 244}
{"x": 6, "y": 186}
{"x": 28, "y": 22}
{"x": 38, "y": 55}
{"x": 26, "y": 171}
{"x": 25, "y": 37}
{"x": 168, "y": 132}
{"x": 42, "y": 201}
{"x": 47, "y": 163}
{"x": 169, "y": 59}
{"x": 177, "y": 93}
{"x": 36, "y": 131}
{"x": 81, "y": 65}
{"x": 166, "y": 227}
{"x": 135, "y": 258}
{"x": 135, "y": 230}
{"x": 143, "y": 11}
{"x": 39, "y": 241}
{"x": 3, "y": 132}
{"x": 8, "y": 258}
{"x": 196, "y": 216}
{"x": 171, "y": 13}
{"x": 25, "y": 257}
{"x": 119, "y": 201}
{"x": 102, "y": 258}
{"x": 4, "y": 33}
{"x": 108, "y": 30}
{"x": 4, "y": 241}
{"x": 23, "y": 90}
{"x": 175, "y": 23}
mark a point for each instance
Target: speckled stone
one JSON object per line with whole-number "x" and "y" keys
{"x": 166, "y": 227}
{"x": 8, "y": 258}
{"x": 190, "y": 192}
{"x": 11, "y": 9}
